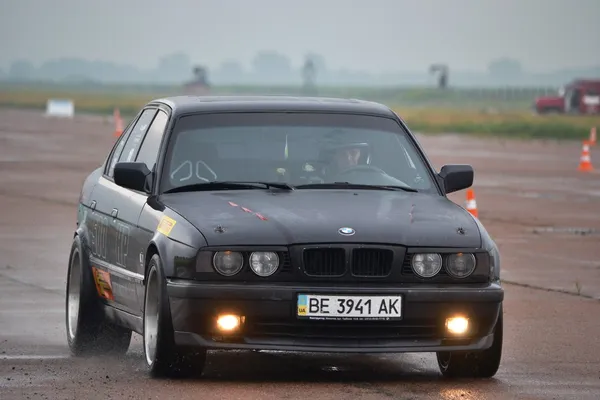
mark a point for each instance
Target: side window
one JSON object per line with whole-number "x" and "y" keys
{"x": 137, "y": 134}
{"x": 149, "y": 151}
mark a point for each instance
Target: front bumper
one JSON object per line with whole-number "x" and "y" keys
{"x": 271, "y": 322}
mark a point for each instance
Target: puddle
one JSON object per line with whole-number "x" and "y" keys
{"x": 572, "y": 230}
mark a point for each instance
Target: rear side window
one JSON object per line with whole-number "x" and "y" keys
{"x": 137, "y": 134}
{"x": 149, "y": 151}
{"x": 118, "y": 149}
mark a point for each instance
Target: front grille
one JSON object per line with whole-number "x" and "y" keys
{"x": 363, "y": 261}
{"x": 324, "y": 262}
{"x": 372, "y": 262}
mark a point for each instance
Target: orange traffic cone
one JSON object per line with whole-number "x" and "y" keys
{"x": 593, "y": 136}
{"x": 472, "y": 203}
{"x": 118, "y": 123}
{"x": 585, "y": 162}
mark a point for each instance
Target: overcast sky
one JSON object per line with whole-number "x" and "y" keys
{"x": 373, "y": 35}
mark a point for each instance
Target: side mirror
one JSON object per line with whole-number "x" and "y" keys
{"x": 456, "y": 177}
{"x": 131, "y": 175}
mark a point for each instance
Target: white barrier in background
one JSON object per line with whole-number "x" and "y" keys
{"x": 60, "y": 108}
{"x": 591, "y": 100}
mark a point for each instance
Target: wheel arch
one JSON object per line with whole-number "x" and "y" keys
{"x": 161, "y": 246}
{"x": 84, "y": 237}
{"x": 152, "y": 250}
{"x": 170, "y": 252}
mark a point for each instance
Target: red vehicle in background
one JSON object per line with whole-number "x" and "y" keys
{"x": 581, "y": 96}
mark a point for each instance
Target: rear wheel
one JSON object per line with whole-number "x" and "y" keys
{"x": 88, "y": 330}
{"x": 476, "y": 364}
{"x": 163, "y": 357}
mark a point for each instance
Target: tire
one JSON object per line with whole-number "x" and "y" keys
{"x": 476, "y": 364}
{"x": 88, "y": 330}
{"x": 163, "y": 358}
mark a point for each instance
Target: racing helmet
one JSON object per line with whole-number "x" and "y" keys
{"x": 328, "y": 153}
{"x": 337, "y": 140}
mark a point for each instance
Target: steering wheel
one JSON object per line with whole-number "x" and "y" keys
{"x": 365, "y": 168}
{"x": 370, "y": 168}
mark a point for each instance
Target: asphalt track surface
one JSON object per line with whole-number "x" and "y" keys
{"x": 552, "y": 307}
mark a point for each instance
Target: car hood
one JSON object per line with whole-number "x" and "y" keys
{"x": 262, "y": 217}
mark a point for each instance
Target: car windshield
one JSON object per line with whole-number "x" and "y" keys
{"x": 304, "y": 150}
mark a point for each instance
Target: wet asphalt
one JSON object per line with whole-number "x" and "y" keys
{"x": 551, "y": 346}
{"x": 550, "y": 352}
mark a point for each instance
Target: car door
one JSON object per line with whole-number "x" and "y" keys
{"x": 140, "y": 238}
{"x": 98, "y": 222}
{"x": 116, "y": 209}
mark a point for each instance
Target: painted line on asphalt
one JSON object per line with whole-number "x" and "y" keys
{"x": 33, "y": 356}
{"x": 553, "y": 290}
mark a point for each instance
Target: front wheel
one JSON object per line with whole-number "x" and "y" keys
{"x": 476, "y": 364}
{"x": 88, "y": 330}
{"x": 163, "y": 357}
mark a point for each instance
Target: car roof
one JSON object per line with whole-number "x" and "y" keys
{"x": 190, "y": 104}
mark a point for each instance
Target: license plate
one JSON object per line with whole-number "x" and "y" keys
{"x": 340, "y": 307}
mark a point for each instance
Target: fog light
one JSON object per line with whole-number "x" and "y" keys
{"x": 457, "y": 325}
{"x": 228, "y": 322}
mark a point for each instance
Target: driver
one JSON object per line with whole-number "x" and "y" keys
{"x": 346, "y": 156}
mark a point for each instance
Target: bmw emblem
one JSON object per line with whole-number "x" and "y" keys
{"x": 346, "y": 231}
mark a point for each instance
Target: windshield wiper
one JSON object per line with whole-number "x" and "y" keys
{"x": 225, "y": 185}
{"x": 278, "y": 185}
{"x": 347, "y": 185}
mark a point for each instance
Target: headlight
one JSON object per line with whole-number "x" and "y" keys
{"x": 228, "y": 263}
{"x": 460, "y": 265}
{"x": 427, "y": 265}
{"x": 264, "y": 263}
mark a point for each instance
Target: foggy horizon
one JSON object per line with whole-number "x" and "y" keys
{"x": 376, "y": 37}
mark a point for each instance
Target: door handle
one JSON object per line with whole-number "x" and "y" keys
{"x": 114, "y": 212}
{"x": 93, "y": 205}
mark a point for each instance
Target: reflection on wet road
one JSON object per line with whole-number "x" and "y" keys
{"x": 35, "y": 364}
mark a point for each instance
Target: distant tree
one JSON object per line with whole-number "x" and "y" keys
{"x": 272, "y": 66}
{"x": 174, "y": 67}
{"x": 21, "y": 70}
{"x": 230, "y": 71}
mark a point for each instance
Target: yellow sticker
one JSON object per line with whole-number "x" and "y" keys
{"x": 166, "y": 225}
{"x": 103, "y": 284}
